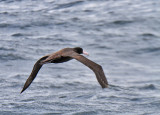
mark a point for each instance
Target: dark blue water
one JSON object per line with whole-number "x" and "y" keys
{"x": 121, "y": 35}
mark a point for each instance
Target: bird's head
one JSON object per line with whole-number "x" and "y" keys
{"x": 79, "y": 50}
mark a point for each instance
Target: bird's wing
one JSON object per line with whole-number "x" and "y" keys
{"x": 36, "y": 68}
{"x": 51, "y": 57}
{"x": 97, "y": 69}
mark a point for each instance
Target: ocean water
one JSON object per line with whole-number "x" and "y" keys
{"x": 121, "y": 35}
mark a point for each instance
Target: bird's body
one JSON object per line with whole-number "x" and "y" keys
{"x": 59, "y": 57}
{"x": 64, "y": 55}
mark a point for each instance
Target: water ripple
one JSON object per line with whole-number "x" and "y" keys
{"x": 11, "y": 56}
{"x": 148, "y": 87}
{"x": 122, "y": 22}
{"x": 122, "y": 36}
{"x": 148, "y": 50}
{"x": 67, "y": 5}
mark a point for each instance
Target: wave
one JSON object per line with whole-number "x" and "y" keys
{"x": 67, "y": 5}
{"x": 11, "y": 56}
{"x": 148, "y": 87}
{"x": 122, "y": 22}
{"x": 15, "y": 25}
{"x": 20, "y": 34}
{"x": 6, "y": 49}
{"x": 148, "y": 35}
{"x": 148, "y": 50}
{"x": 23, "y": 25}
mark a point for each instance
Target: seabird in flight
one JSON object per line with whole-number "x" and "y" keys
{"x": 64, "y": 55}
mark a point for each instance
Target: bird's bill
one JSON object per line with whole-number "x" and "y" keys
{"x": 85, "y": 53}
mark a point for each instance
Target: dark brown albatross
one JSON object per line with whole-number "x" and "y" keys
{"x": 64, "y": 55}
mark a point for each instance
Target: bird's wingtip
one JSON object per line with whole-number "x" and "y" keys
{"x": 22, "y": 91}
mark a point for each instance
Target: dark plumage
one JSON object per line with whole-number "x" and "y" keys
{"x": 64, "y": 55}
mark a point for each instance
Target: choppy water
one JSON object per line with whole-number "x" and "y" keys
{"x": 121, "y": 35}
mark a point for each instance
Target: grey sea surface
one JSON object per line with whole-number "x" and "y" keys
{"x": 121, "y": 35}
